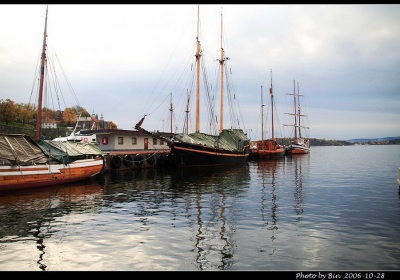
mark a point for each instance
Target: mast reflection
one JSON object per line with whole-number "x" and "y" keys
{"x": 214, "y": 191}
{"x": 297, "y": 162}
{"x": 266, "y": 171}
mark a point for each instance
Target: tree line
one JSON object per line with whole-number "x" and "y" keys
{"x": 11, "y": 112}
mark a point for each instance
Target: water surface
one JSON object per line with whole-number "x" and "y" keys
{"x": 334, "y": 209}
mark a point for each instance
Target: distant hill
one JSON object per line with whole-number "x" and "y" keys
{"x": 361, "y": 140}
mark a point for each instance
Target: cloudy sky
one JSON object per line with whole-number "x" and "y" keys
{"x": 124, "y": 61}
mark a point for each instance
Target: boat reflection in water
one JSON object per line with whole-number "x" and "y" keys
{"x": 162, "y": 218}
{"x": 267, "y": 180}
{"x": 266, "y": 215}
{"x": 298, "y": 161}
{"x": 201, "y": 201}
{"x": 32, "y": 215}
{"x": 266, "y": 172}
{"x": 277, "y": 185}
{"x": 214, "y": 211}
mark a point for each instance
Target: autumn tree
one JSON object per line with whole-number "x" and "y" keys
{"x": 49, "y": 113}
{"x": 112, "y": 125}
{"x": 69, "y": 116}
{"x": 8, "y": 111}
{"x": 80, "y": 111}
{"x": 17, "y": 112}
{"x": 26, "y": 113}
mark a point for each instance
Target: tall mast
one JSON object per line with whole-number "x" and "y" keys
{"x": 298, "y": 104}
{"x": 262, "y": 115}
{"x": 272, "y": 108}
{"x": 222, "y": 64}
{"x": 295, "y": 109}
{"x": 198, "y": 55}
{"x": 42, "y": 66}
{"x": 187, "y": 114}
{"x": 171, "y": 110}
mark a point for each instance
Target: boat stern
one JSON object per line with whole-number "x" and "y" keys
{"x": 398, "y": 178}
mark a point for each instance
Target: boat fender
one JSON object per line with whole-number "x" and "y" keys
{"x": 138, "y": 159}
{"x": 150, "y": 159}
{"x": 128, "y": 161}
{"x": 115, "y": 162}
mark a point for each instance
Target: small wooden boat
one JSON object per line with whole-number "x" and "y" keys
{"x": 29, "y": 163}
{"x": 266, "y": 148}
{"x": 26, "y": 163}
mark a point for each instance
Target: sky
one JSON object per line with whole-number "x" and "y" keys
{"x": 125, "y": 61}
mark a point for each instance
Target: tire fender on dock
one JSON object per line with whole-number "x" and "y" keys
{"x": 115, "y": 162}
{"x": 151, "y": 160}
{"x": 138, "y": 159}
{"x": 127, "y": 161}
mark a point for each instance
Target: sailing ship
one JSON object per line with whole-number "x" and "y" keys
{"x": 267, "y": 148}
{"x": 227, "y": 147}
{"x": 27, "y": 162}
{"x": 299, "y": 144}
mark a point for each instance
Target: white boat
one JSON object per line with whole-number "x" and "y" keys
{"x": 299, "y": 144}
{"x": 79, "y": 136}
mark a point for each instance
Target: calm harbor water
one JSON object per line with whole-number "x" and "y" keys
{"x": 337, "y": 208}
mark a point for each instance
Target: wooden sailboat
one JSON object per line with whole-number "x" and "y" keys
{"x": 229, "y": 147}
{"x": 267, "y": 148}
{"x": 29, "y": 163}
{"x": 299, "y": 144}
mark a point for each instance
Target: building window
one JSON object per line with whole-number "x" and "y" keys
{"x": 161, "y": 142}
{"x": 120, "y": 140}
{"x": 134, "y": 141}
{"x": 154, "y": 141}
